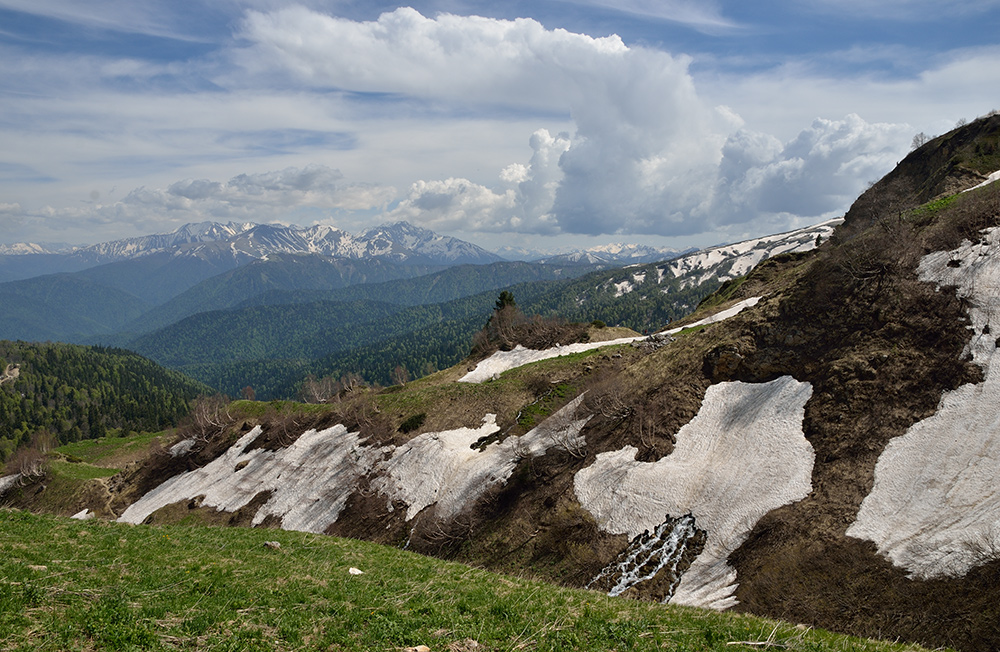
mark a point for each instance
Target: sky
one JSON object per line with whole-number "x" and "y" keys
{"x": 544, "y": 125}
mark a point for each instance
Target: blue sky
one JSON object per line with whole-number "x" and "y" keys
{"x": 542, "y": 124}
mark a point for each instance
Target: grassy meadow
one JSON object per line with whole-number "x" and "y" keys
{"x": 92, "y": 585}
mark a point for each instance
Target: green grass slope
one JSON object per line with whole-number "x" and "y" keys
{"x": 71, "y": 585}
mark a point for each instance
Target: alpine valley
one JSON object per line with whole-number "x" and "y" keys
{"x": 804, "y": 426}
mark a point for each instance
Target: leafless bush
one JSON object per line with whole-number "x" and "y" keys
{"x": 562, "y": 434}
{"x": 320, "y": 390}
{"x": 434, "y": 534}
{"x": 984, "y": 547}
{"x": 210, "y": 417}
{"x": 31, "y": 461}
{"x": 608, "y": 396}
{"x": 400, "y": 376}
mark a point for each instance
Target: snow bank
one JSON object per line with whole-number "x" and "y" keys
{"x": 990, "y": 179}
{"x": 935, "y": 506}
{"x": 721, "y": 315}
{"x": 310, "y": 480}
{"x": 443, "y": 468}
{"x": 8, "y": 481}
{"x": 743, "y": 455}
{"x": 502, "y": 361}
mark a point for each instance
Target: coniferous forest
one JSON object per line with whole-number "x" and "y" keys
{"x": 79, "y": 392}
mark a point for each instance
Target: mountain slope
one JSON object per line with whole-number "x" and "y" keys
{"x": 77, "y": 392}
{"x": 820, "y": 441}
{"x": 281, "y": 272}
{"x": 64, "y": 307}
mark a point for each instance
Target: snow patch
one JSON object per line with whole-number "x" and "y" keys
{"x": 310, "y": 480}
{"x": 934, "y": 508}
{"x": 443, "y": 468}
{"x": 743, "y": 455}
{"x": 623, "y": 288}
{"x": 8, "y": 481}
{"x": 183, "y": 447}
{"x": 648, "y": 554}
{"x": 722, "y": 315}
{"x": 519, "y": 356}
{"x": 990, "y": 179}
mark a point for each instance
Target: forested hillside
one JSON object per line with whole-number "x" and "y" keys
{"x": 78, "y": 392}
{"x": 272, "y": 348}
{"x": 272, "y": 338}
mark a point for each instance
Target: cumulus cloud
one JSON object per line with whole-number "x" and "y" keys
{"x": 644, "y": 151}
{"x": 641, "y": 159}
{"x": 10, "y": 215}
{"x": 520, "y": 202}
{"x": 818, "y": 172}
{"x": 648, "y": 155}
{"x": 466, "y": 58}
{"x": 258, "y": 197}
{"x": 246, "y": 194}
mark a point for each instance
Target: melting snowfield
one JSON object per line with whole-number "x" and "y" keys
{"x": 990, "y": 179}
{"x": 442, "y": 468}
{"x": 8, "y": 481}
{"x": 502, "y": 361}
{"x": 742, "y": 455}
{"x": 311, "y": 480}
{"x": 935, "y": 505}
{"x": 722, "y": 315}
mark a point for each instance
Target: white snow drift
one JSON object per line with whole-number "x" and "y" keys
{"x": 722, "y": 315}
{"x": 743, "y": 455}
{"x": 311, "y": 480}
{"x": 519, "y": 356}
{"x": 442, "y": 468}
{"x": 935, "y": 506}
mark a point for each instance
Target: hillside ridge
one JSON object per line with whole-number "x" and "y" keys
{"x": 744, "y": 458}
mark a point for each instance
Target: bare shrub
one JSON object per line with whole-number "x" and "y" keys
{"x": 400, "y": 376}
{"x": 31, "y": 461}
{"x": 562, "y": 435}
{"x": 608, "y": 396}
{"x": 210, "y": 417}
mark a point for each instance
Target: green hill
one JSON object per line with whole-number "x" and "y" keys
{"x": 79, "y": 392}
{"x": 93, "y": 585}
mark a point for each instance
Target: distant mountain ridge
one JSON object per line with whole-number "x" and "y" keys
{"x": 613, "y": 254}
{"x": 400, "y": 242}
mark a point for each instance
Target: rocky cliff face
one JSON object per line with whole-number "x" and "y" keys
{"x": 827, "y": 453}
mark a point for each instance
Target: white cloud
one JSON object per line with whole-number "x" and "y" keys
{"x": 699, "y": 14}
{"x": 286, "y": 194}
{"x": 521, "y": 202}
{"x": 312, "y": 186}
{"x": 626, "y": 140}
{"x": 817, "y": 173}
{"x": 470, "y": 59}
{"x": 645, "y": 146}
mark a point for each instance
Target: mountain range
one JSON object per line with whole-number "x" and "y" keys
{"x": 819, "y": 441}
{"x": 175, "y": 297}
